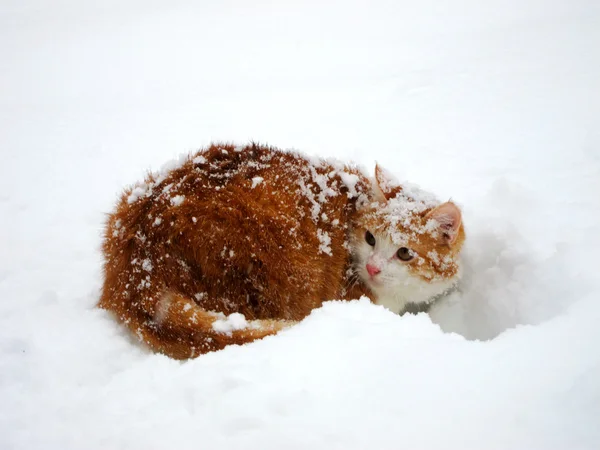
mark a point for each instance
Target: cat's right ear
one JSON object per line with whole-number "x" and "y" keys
{"x": 386, "y": 186}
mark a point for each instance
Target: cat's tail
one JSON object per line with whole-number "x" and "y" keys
{"x": 182, "y": 329}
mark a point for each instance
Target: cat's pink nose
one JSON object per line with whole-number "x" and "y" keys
{"x": 373, "y": 270}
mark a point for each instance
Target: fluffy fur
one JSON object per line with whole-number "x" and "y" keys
{"x": 236, "y": 243}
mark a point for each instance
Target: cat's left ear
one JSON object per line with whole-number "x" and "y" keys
{"x": 449, "y": 218}
{"x": 387, "y": 186}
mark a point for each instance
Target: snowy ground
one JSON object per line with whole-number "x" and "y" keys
{"x": 493, "y": 103}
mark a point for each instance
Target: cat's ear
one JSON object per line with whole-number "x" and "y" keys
{"x": 386, "y": 186}
{"x": 449, "y": 218}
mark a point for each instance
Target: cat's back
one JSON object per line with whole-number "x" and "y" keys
{"x": 225, "y": 182}
{"x": 266, "y": 178}
{"x": 246, "y": 179}
{"x": 262, "y": 222}
{"x": 223, "y": 173}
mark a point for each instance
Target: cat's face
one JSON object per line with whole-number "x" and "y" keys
{"x": 406, "y": 245}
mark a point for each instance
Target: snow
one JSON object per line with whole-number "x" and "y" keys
{"x": 136, "y": 193}
{"x": 325, "y": 241}
{"x": 403, "y": 210}
{"x": 147, "y": 265}
{"x": 350, "y": 180}
{"x": 256, "y": 181}
{"x": 232, "y": 322}
{"x": 177, "y": 200}
{"x": 493, "y": 104}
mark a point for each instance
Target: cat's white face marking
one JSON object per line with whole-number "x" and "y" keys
{"x": 394, "y": 285}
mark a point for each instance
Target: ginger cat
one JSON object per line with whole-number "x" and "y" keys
{"x": 237, "y": 243}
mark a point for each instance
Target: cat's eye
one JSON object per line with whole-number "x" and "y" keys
{"x": 370, "y": 238}
{"x": 405, "y": 254}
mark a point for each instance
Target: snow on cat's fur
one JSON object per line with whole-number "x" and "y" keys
{"x": 234, "y": 244}
{"x": 415, "y": 246}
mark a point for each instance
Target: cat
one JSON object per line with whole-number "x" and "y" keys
{"x": 237, "y": 243}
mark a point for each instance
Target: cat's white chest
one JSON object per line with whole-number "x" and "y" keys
{"x": 413, "y": 291}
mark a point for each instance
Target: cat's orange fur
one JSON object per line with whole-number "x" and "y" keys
{"x": 253, "y": 230}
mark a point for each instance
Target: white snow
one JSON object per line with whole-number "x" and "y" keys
{"x": 235, "y": 321}
{"x": 325, "y": 242}
{"x": 170, "y": 165}
{"x": 147, "y": 265}
{"x": 493, "y": 104}
{"x": 177, "y": 200}
{"x": 136, "y": 193}
{"x": 256, "y": 181}
{"x": 350, "y": 180}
